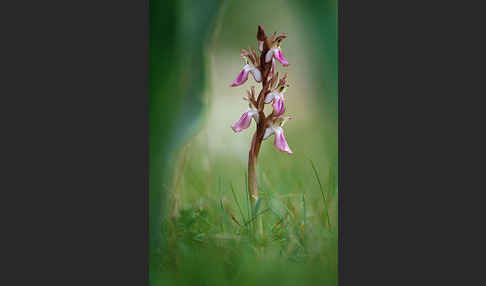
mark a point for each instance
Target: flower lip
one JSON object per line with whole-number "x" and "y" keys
{"x": 276, "y": 53}
{"x": 280, "y": 142}
{"x": 278, "y": 105}
{"x": 243, "y": 75}
{"x": 245, "y": 120}
{"x": 280, "y": 57}
{"x": 270, "y": 96}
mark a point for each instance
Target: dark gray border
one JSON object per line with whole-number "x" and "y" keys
{"x": 75, "y": 142}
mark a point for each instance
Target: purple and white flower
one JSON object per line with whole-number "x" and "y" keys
{"x": 243, "y": 75}
{"x": 245, "y": 120}
{"x": 280, "y": 142}
{"x": 277, "y": 54}
{"x": 277, "y": 97}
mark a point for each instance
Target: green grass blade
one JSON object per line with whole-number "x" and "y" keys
{"x": 304, "y": 207}
{"x": 253, "y": 218}
{"x": 318, "y": 180}
{"x": 304, "y": 222}
{"x": 257, "y": 205}
{"x": 221, "y": 202}
{"x": 248, "y": 202}
{"x": 238, "y": 204}
{"x": 316, "y": 174}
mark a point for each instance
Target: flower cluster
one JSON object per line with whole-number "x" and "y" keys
{"x": 261, "y": 65}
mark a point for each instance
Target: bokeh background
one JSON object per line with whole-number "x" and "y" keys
{"x": 199, "y": 222}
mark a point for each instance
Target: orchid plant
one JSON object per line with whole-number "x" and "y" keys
{"x": 261, "y": 65}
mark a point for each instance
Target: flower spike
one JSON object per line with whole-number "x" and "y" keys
{"x": 260, "y": 62}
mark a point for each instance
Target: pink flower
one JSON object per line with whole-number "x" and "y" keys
{"x": 243, "y": 75}
{"x": 278, "y": 105}
{"x": 276, "y": 53}
{"x": 279, "y": 142}
{"x": 277, "y": 97}
{"x": 245, "y": 120}
{"x": 278, "y": 102}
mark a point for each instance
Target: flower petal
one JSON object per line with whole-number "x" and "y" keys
{"x": 260, "y": 46}
{"x": 242, "y": 123}
{"x": 268, "y": 132}
{"x": 278, "y": 105}
{"x": 257, "y": 75}
{"x": 253, "y": 113}
{"x": 270, "y": 96}
{"x": 280, "y": 142}
{"x": 280, "y": 57}
{"x": 242, "y": 76}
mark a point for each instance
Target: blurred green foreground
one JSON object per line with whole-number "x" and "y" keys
{"x": 200, "y": 228}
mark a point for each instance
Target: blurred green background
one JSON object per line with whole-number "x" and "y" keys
{"x": 198, "y": 209}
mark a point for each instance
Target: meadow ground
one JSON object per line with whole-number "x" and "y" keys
{"x": 212, "y": 237}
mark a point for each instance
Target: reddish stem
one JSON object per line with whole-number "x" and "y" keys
{"x": 262, "y": 123}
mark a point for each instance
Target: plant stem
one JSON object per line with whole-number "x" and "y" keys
{"x": 252, "y": 166}
{"x": 256, "y": 143}
{"x": 257, "y": 139}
